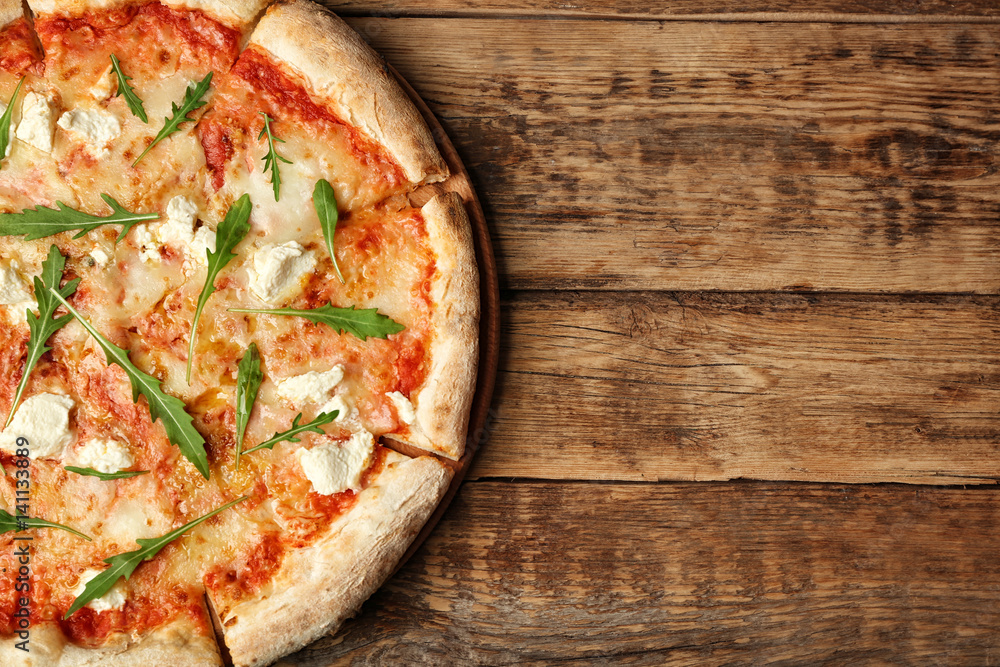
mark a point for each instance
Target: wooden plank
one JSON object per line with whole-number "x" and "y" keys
{"x": 661, "y": 386}
{"x": 714, "y": 156}
{"x": 691, "y": 574}
{"x": 856, "y": 10}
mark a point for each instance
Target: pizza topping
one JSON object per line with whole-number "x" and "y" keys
{"x": 105, "y": 476}
{"x": 100, "y": 257}
{"x": 278, "y": 269}
{"x": 42, "y": 326}
{"x": 231, "y": 231}
{"x": 96, "y": 127}
{"x": 333, "y": 467}
{"x": 14, "y": 292}
{"x": 178, "y": 230}
{"x": 43, "y": 419}
{"x": 107, "y": 456}
{"x": 289, "y": 435}
{"x": 123, "y": 565}
{"x": 6, "y": 130}
{"x": 39, "y": 222}
{"x": 339, "y": 405}
{"x": 38, "y": 121}
{"x": 191, "y": 102}
{"x": 164, "y": 407}
{"x": 126, "y": 91}
{"x": 403, "y": 407}
{"x": 248, "y": 380}
{"x": 15, "y": 524}
{"x": 360, "y": 323}
{"x": 105, "y": 85}
{"x": 271, "y": 159}
{"x": 113, "y": 599}
{"x": 325, "y": 203}
{"x": 311, "y": 387}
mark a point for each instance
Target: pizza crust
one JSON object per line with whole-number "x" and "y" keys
{"x": 233, "y": 13}
{"x": 443, "y": 401}
{"x": 351, "y": 79}
{"x": 317, "y": 588}
{"x": 179, "y": 644}
{"x": 10, "y": 11}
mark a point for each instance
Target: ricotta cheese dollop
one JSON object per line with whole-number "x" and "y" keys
{"x": 96, "y": 127}
{"x": 107, "y": 456}
{"x": 333, "y": 467}
{"x": 403, "y": 407}
{"x": 104, "y": 87}
{"x": 311, "y": 387}
{"x": 14, "y": 291}
{"x": 113, "y": 599}
{"x": 38, "y": 121}
{"x": 278, "y": 269}
{"x": 43, "y": 420}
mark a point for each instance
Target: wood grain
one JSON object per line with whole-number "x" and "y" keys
{"x": 676, "y": 386}
{"x": 691, "y": 574}
{"x": 716, "y": 156}
{"x": 855, "y": 10}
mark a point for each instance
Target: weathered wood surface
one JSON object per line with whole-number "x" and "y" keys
{"x": 717, "y": 156}
{"x": 837, "y": 10}
{"x": 695, "y": 574}
{"x": 676, "y": 386}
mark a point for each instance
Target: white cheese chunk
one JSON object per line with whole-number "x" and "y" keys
{"x": 96, "y": 127}
{"x": 311, "y": 387}
{"x": 182, "y": 212}
{"x": 43, "y": 420}
{"x": 340, "y": 405}
{"x": 100, "y": 257}
{"x": 105, "y": 456}
{"x": 149, "y": 249}
{"x": 278, "y": 269}
{"x": 38, "y": 121}
{"x": 104, "y": 87}
{"x": 202, "y": 243}
{"x": 14, "y": 292}
{"x": 113, "y": 599}
{"x": 333, "y": 467}
{"x": 403, "y": 407}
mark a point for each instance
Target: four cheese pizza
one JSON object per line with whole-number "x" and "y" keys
{"x": 218, "y": 311}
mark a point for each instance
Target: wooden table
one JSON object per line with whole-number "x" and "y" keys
{"x": 747, "y": 407}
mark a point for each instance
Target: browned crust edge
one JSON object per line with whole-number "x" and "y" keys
{"x": 317, "y": 588}
{"x": 350, "y": 79}
{"x": 443, "y": 401}
{"x": 178, "y": 644}
{"x": 233, "y": 13}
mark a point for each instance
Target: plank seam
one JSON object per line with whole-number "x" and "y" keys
{"x": 730, "y": 17}
{"x": 985, "y": 486}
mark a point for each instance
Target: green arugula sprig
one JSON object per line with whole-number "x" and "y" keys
{"x": 123, "y": 565}
{"x": 127, "y": 91}
{"x": 5, "y": 121}
{"x": 360, "y": 323}
{"x": 231, "y": 231}
{"x": 192, "y": 101}
{"x": 325, "y": 203}
{"x": 248, "y": 382}
{"x": 168, "y": 409}
{"x": 14, "y": 524}
{"x": 42, "y": 326}
{"x": 39, "y": 222}
{"x": 289, "y": 435}
{"x": 271, "y": 159}
{"x": 106, "y": 476}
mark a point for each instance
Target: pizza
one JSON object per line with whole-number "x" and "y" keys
{"x": 238, "y": 329}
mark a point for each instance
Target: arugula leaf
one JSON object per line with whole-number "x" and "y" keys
{"x": 42, "y": 326}
{"x": 5, "y": 120}
{"x": 106, "y": 476}
{"x": 39, "y": 222}
{"x": 191, "y": 102}
{"x": 231, "y": 231}
{"x": 360, "y": 323}
{"x": 247, "y": 385}
{"x": 325, "y": 203}
{"x": 123, "y": 565}
{"x": 289, "y": 435}
{"x": 272, "y": 158}
{"x": 168, "y": 409}
{"x": 15, "y": 524}
{"x": 124, "y": 89}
